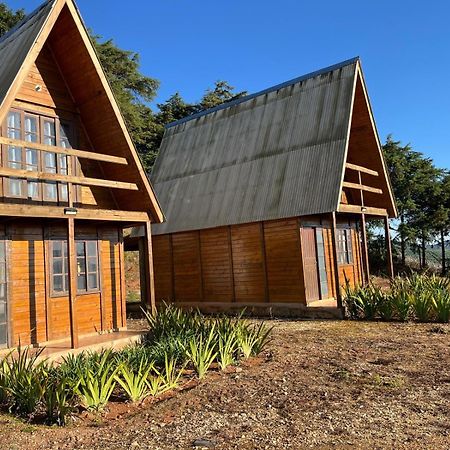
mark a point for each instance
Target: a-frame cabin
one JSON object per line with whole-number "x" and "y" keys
{"x": 71, "y": 181}
{"x": 266, "y": 197}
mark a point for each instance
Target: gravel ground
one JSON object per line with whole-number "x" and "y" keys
{"x": 318, "y": 385}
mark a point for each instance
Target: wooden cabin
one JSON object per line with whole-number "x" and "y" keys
{"x": 71, "y": 181}
{"x": 266, "y": 197}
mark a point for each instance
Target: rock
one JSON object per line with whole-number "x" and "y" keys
{"x": 203, "y": 443}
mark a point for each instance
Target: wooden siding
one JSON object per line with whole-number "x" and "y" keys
{"x": 162, "y": 247}
{"x": 187, "y": 266}
{"x": 248, "y": 263}
{"x": 35, "y": 315}
{"x": 216, "y": 265}
{"x": 244, "y": 264}
{"x": 283, "y": 259}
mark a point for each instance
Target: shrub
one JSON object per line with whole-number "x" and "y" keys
{"x": 252, "y": 339}
{"x": 440, "y": 303}
{"x": 59, "y": 397}
{"x": 227, "y": 349}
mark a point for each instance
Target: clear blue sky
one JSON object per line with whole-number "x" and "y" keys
{"x": 254, "y": 44}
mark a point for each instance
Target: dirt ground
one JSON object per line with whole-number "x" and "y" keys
{"x": 320, "y": 385}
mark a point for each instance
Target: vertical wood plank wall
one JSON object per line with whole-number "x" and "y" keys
{"x": 234, "y": 264}
{"x": 35, "y": 315}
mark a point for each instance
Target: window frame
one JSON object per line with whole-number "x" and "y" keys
{"x": 65, "y": 291}
{"x": 344, "y": 246}
{"x": 72, "y": 165}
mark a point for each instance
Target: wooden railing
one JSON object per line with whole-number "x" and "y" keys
{"x": 64, "y": 151}
{"x": 77, "y": 180}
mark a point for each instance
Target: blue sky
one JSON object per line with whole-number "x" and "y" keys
{"x": 254, "y": 44}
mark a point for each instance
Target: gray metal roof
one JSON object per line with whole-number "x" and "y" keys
{"x": 276, "y": 154}
{"x": 17, "y": 43}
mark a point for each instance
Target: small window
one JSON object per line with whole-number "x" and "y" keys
{"x": 87, "y": 267}
{"x": 344, "y": 246}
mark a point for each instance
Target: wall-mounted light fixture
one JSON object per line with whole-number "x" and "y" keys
{"x": 363, "y": 209}
{"x": 70, "y": 211}
{"x": 38, "y": 88}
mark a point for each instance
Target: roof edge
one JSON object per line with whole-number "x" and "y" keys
{"x": 265, "y": 91}
{"x": 21, "y": 23}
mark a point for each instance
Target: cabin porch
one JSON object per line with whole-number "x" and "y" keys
{"x": 62, "y": 282}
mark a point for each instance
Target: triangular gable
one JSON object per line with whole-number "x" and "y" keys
{"x": 364, "y": 149}
{"x": 59, "y": 24}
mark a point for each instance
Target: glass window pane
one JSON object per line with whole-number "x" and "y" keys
{"x": 30, "y": 124}
{"x": 81, "y": 282}
{"x": 92, "y": 264}
{"x": 31, "y": 158}
{"x": 57, "y": 249}
{"x": 50, "y": 191}
{"x": 3, "y": 292}
{"x": 62, "y": 164}
{"x": 3, "y": 317}
{"x": 2, "y": 272}
{"x": 57, "y": 266}
{"x": 33, "y": 189}
{"x": 58, "y": 283}
{"x": 81, "y": 265}
{"x": 15, "y": 155}
{"x": 13, "y": 119}
{"x": 15, "y": 187}
{"x": 3, "y": 334}
{"x": 49, "y": 132}
{"x": 80, "y": 249}
{"x": 50, "y": 162}
{"x": 2, "y": 251}
{"x": 63, "y": 192}
{"x": 91, "y": 247}
{"x": 93, "y": 281}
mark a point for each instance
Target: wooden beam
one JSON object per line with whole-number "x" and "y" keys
{"x": 387, "y": 234}
{"x": 335, "y": 260}
{"x": 57, "y": 212}
{"x": 365, "y": 249}
{"x": 358, "y": 209}
{"x": 72, "y": 257}
{"x": 81, "y": 181}
{"x": 362, "y": 187}
{"x": 361, "y": 169}
{"x": 150, "y": 282}
{"x": 64, "y": 151}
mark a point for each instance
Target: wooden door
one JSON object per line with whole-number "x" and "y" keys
{"x": 3, "y": 296}
{"x": 309, "y": 254}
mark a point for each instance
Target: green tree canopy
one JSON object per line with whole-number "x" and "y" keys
{"x": 9, "y": 18}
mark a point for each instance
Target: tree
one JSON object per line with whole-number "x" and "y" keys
{"x": 221, "y": 93}
{"x": 9, "y": 18}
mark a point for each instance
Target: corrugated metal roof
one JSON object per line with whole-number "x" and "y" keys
{"x": 16, "y": 44}
{"x": 276, "y": 154}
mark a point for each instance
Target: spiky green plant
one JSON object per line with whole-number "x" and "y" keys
{"x": 27, "y": 374}
{"x": 156, "y": 385}
{"x": 170, "y": 374}
{"x": 96, "y": 381}
{"x": 59, "y": 397}
{"x": 4, "y": 378}
{"x": 227, "y": 349}
{"x": 252, "y": 339}
{"x": 440, "y": 303}
{"x": 201, "y": 352}
{"x": 134, "y": 382}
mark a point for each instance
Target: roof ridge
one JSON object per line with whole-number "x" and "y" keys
{"x": 27, "y": 18}
{"x": 265, "y": 91}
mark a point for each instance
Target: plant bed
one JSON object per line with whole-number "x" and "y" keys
{"x": 180, "y": 347}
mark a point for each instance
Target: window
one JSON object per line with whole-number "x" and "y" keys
{"x": 87, "y": 267}
{"x": 344, "y": 246}
{"x": 28, "y": 127}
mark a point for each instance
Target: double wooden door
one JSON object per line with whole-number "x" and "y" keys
{"x": 314, "y": 264}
